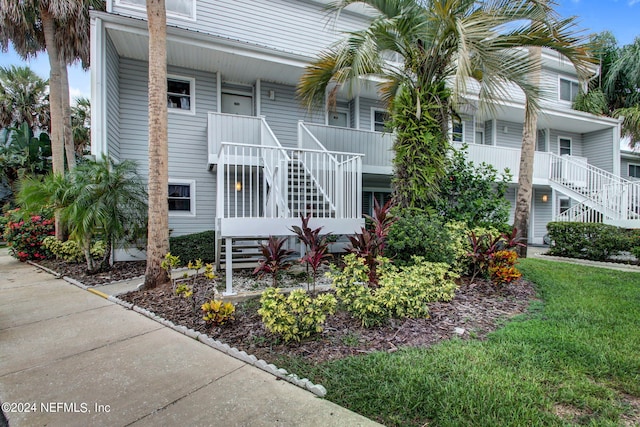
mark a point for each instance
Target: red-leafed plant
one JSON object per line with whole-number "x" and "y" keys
{"x": 485, "y": 246}
{"x": 276, "y": 259}
{"x": 371, "y": 241}
{"x": 316, "y": 247}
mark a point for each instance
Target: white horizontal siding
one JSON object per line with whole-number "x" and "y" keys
{"x": 576, "y": 142}
{"x": 509, "y": 134}
{"x": 598, "y": 148}
{"x": 113, "y": 104}
{"x": 300, "y": 26}
{"x": 188, "y": 158}
{"x": 366, "y": 104}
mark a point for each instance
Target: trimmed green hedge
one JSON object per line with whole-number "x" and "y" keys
{"x": 592, "y": 241}
{"x": 191, "y": 247}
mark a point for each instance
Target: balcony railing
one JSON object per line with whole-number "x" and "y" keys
{"x": 375, "y": 146}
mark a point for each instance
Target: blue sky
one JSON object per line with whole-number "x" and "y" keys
{"x": 621, "y": 17}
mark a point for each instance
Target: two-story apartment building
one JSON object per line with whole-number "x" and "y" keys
{"x": 246, "y": 159}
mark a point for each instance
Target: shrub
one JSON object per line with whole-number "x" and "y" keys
{"x": 217, "y": 312}
{"x": 70, "y": 251}
{"x": 370, "y": 243}
{"x": 25, "y": 237}
{"x": 296, "y": 316}
{"x": 191, "y": 247}
{"x": 276, "y": 259}
{"x": 592, "y": 241}
{"x": 502, "y": 270}
{"x": 316, "y": 247}
{"x": 484, "y": 248}
{"x": 402, "y": 292}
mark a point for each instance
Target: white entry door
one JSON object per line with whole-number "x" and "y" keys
{"x": 237, "y": 104}
{"x": 338, "y": 118}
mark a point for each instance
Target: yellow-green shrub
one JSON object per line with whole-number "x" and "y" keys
{"x": 402, "y": 292}
{"x": 217, "y": 312}
{"x": 296, "y": 316}
{"x": 70, "y": 251}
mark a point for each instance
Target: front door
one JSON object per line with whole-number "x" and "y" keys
{"x": 237, "y": 104}
{"x": 338, "y": 118}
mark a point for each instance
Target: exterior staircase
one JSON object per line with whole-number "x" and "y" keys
{"x": 601, "y": 195}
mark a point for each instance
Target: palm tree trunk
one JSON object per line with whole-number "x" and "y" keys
{"x": 57, "y": 147}
{"x": 527, "y": 154}
{"x": 69, "y": 147}
{"x": 158, "y": 228}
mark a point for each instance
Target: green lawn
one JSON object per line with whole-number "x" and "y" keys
{"x": 577, "y": 355}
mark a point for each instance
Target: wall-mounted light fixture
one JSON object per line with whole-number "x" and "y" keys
{"x": 272, "y": 95}
{"x": 505, "y": 129}
{"x": 238, "y": 186}
{"x": 545, "y": 198}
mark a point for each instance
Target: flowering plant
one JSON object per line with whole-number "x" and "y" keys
{"x": 25, "y": 236}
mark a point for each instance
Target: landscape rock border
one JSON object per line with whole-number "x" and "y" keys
{"x": 280, "y": 373}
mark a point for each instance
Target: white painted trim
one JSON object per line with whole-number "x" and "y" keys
{"x": 475, "y": 130}
{"x": 219, "y": 92}
{"x": 616, "y": 149}
{"x": 258, "y": 100}
{"x": 494, "y": 132}
{"x": 171, "y": 16}
{"x": 373, "y": 116}
{"x": 192, "y": 95}
{"x": 547, "y": 136}
{"x": 192, "y": 184}
{"x": 462, "y": 133}
{"x": 98, "y": 88}
{"x": 109, "y": 6}
{"x": 570, "y": 142}
{"x": 356, "y": 107}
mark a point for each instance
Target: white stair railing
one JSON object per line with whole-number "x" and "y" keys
{"x": 601, "y": 190}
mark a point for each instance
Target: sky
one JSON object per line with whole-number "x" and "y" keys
{"x": 621, "y": 17}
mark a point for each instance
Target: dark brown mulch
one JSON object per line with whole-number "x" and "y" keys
{"x": 121, "y": 271}
{"x": 478, "y": 308}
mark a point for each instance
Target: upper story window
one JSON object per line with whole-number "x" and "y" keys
{"x": 180, "y": 94}
{"x": 178, "y": 8}
{"x": 568, "y": 89}
{"x": 634, "y": 171}
{"x": 565, "y": 146}
{"x": 379, "y": 119}
{"x": 182, "y": 197}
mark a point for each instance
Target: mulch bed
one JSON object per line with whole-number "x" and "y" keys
{"x": 478, "y": 308}
{"x": 78, "y": 271}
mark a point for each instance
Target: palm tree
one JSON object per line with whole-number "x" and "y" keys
{"x": 81, "y": 125}
{"x": 23, "y": 99}
{"x": 625, "y": 72}
{"x": 443, "y": 45}
{"x": 60, "y": 27}
{"x": 102, "y": 199}
{"x": 158, "y": 231}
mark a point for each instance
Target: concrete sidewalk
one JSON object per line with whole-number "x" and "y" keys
{"x": 69, "y": 357}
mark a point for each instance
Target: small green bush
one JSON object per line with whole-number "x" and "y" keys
{"x": 296, "y": 316}
{"x": 418, "y": 234}
{"x": 592, "y": 241}
{"x": 402, "y": 292}
{"x": 191, "y": 247}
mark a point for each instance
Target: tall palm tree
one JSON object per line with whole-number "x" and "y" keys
{"x": 444, "y": 45}
{"x": 23, "y": 98}
{"x": 625, "y": 71}
{"x": 158, "y": 229}
{"x": 61, "y": 27}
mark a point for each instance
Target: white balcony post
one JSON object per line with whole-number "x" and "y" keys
{"x": 339, "y": 191}
{"x": 228, "y": 267}
{"x": 220, "y": 183}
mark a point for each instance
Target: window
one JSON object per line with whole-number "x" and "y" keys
{"x": 634, "y": 171}
{"x": 368, "y": 204}
{"x": 479, "y": 137}
{"x": 568, "y": 89}
{"x": 563, "y": 205}
{"x": 180, "y": 94}
{"x": 179, "y": 8}
{"x": 565, "y": 146}
{"x": 182, "y": 197}
{"x": 378, "y": 120}
{"x": 457, "y": 131}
